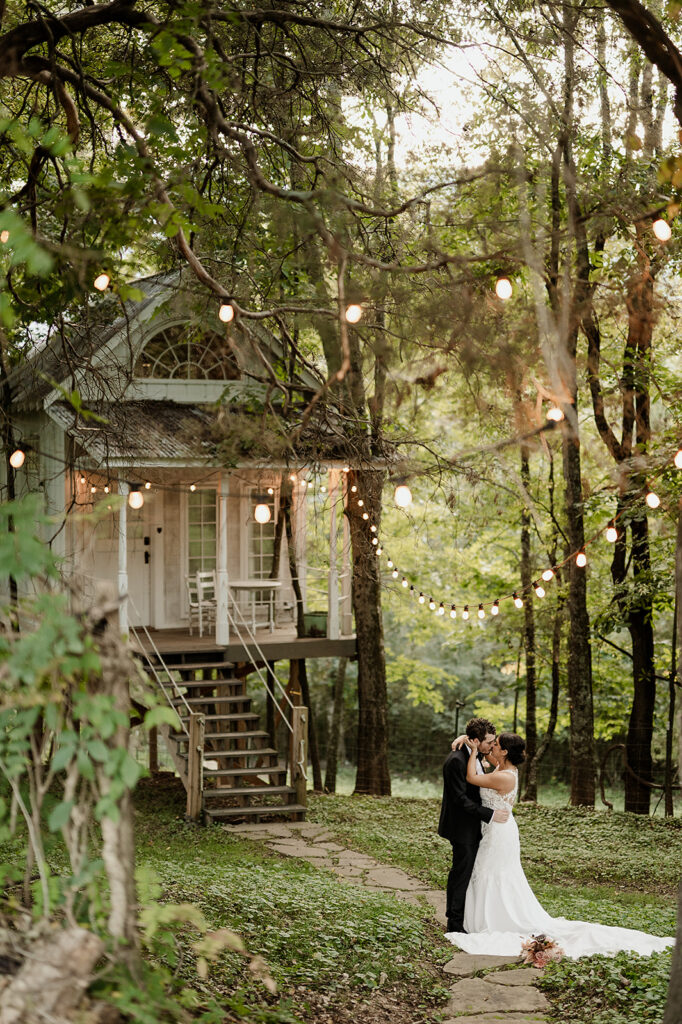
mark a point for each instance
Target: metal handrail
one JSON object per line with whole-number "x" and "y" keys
{"x": 164, "y": 667}
{"x": 252, "y": 637}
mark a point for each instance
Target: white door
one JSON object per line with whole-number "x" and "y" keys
{"x": 140, "y": 571}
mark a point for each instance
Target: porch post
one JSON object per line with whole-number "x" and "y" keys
{"x": 222, "y": 625}
{"x": 347, "y": 609}
{"x": 333, "y": 579}
{"x": 123, "y": 490}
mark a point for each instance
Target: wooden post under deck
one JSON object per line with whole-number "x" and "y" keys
{"x": 346, "y": 581}
{"x": 299, "y": 753}
{"x": 153, "y": 750}
{"x": 333, "y": 624}
{"x": 195, "y": 766}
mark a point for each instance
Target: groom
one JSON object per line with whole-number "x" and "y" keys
{"x": 461, "y": 815}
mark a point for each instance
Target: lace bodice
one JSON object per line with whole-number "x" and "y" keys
{"x": 491, "y": 798}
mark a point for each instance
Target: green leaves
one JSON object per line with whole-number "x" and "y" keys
{"x": 161, "y": 715}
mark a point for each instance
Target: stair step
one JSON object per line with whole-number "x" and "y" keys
{"x": 254, "y": 734}
{"x": 207, "y": 684}
{"x": 236, "y": 717}
{"x": 236, "y": 772}
{"x": 184, "y": 666}
{"x": 211, "y": 699}
{"x": 251, "y": 752}
{"x": 251, "y": 812}
{"x": 249, "y": 791}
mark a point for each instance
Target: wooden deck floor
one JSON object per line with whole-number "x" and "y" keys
{"x": 278, "y": 645}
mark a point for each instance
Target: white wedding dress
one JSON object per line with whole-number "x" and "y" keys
{"x": 501, "y": 910}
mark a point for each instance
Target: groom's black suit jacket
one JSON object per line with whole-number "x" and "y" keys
{"x": 461, "y": 812}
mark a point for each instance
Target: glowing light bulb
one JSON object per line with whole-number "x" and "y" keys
{"x": 323, "y": 488}
{"x": 404, "y": 582}
{"x": 192, "y": 488}
{"x": 465, "y": 612}
{"x": 495, "y": 610}
{"x": 652, "y": 500}
{"x": 353, "y": 489}
{"x": 304, "y": 483}
{"x": 106, "y": 488}
{"x": 360, "y": 503}
{"x": 503, "y": 288}
{"x": 402, "y": 496}
{"x": 517, "y": 600}
{"x": 481, "y": 611}
{"x": 548, "y": 575}
{"x": 82, "y": 479}
{"x": 394, "y": 574}
{"x": 389, "y": 563}
{"x": 678, "y": 459}
{"x": 226, "y": 312}
{"x": 662, "y": 230}
{"x": 611, "y": 533}
{"x": 581, "y": 559}
{"x": 432, "y": 604}
{"x": 379, "y": 550}
{"x": 373, "y": 528}
{"x": 375, "y": 540}
{"x": 17, "y": 458}
{"x": 135, "y": 498}
{"x": 555, "y": 414}
{"x": 262, "y": 513}
{"x": 346, "y": 469}
{"x": 421, "y": 598}
{"x": 93, "y": 489}
{"x": 441, "y": 609}
{"x": 147, "y": 486}
{"x": 4, "y": 237}
{"x": 101, "y": 282}
{"x": 453, "y": 612}
{"x": 539, "y": 590}
{"x": 365, "y": 515}
{"x": 353, "y": 313}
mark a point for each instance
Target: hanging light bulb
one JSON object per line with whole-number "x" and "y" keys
{"x": 262, "y": 513}
{"x": 353, "y": 489}
{"x": 465, "y": 612}
{"x": 548, "y": 575}
{"x": 353, "y": 313}
{"x": 441, "y": 609}
{"x": 405, "y": 582}
{"x": 503, "y": 288}
{"x": 412, "y": 590}
{"x": 147, "y": 486}
{"x": 17, "y": 458}
{"x": 432, "y": 604}
{"x": 389, "y": 563}
{"x": 375, "y": 540}
{"x": 360, "y": 503}
{"x": 135, "y": 497}
{"x": 106, "y": 488}
{"x": 481, "y": 611}
{"x": 101, "y": 282}
{"x": 93, "y": 489}
{"x": 395, "y": 574}
{"x": 192, "y": 488}
{"x": 678, "y": 459}
{"x": 365, "y": 515}
{"x": 402, "y": 496}
{"x": 581, "y": 559}
{"x": 453, "y": 612}
{"x": 652, "y": 499}
{"x": 346, "y": 469}
{"x": 611, "y": 533}
{"x": 662, "y": 230}
{"x": 495, "y": 610}
{"x": 323, "y": 488}
{"x": 517, "y": 600}
{"x": 4, "y": 237}
{"x": 304, "y": 483}
{"x": 226, "y": 312}
{"x": 82, "y": 479}
{"x": 373, "y": 528}
{"x": 422, "y": 599}
{"x": 379, "y": 550}
{"x": 555, "y": 414}
{"x": 539, "y": 589}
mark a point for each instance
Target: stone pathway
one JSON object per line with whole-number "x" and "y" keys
{"x": 483, "y": 990}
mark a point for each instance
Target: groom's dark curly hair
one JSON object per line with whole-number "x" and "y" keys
{"x": 478, "y": 728}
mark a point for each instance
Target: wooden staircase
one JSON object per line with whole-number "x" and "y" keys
{"x": 243, "y": 779}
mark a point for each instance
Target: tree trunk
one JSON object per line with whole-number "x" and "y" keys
{"x": 530, "y": 790}
{"x": 670, "y": 727}
{"x": 335, "y": 727}
{"x": 372, "y": 771}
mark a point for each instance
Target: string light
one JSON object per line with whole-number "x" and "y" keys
{"x": 555, "y": 414}
{"x": 503, "y": 288}
{"x": 453, "y": 612}
{"x": 82, "y": 479}
{"x": 17, "y": 458}
{"x": 441, "y": 609}
{"x": 581, "y": 559}
{"x": 262, "y": 513}
{"x": 373, "y": 528}
{"x": 548, "y": 575}
{"x": 360, "y": 503}
{"x": 93, "y": 489}
{"x": 106, "y": 488}
{"x": 147, "y": 485}
{"x": 353, "y": 313}
{"x": 662, "y": 230}
{"x": 652, "y": 499}
{"x": 101, "y": 282}
{"x": 495, "y": 610}
{"x": 375, "y": 540}
{"x": 611, "y": 533}
{"x": 481, "y": 611}
{"x": 403, "y": 496}
{"x": 539, "y": 589}
{"x": 135, "y": 497}
{"x": 395, "y": 574}
{"x": 465, "y": 612}
{"x": 353, "y": 489}
{"x": 365, "y": 515}
{"x": 389, "y": 563}
{"x": 226, "y": 312}
{"x": 517, "y": 600}
{"x": 379, "y": 550}
{"x": 192, "y": 488}
{"x": 422, "y": 599}
{"x": 432, "y": 604}
{"x": 346, "y": 469}
{"x": 405, "y": 582}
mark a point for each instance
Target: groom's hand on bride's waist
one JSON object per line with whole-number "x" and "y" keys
{"x": 501, "y": 815}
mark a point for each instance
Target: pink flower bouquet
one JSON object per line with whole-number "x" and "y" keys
{"x": 540, "y": 950}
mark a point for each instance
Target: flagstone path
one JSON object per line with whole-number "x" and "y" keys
{"x": 483, "y": 990}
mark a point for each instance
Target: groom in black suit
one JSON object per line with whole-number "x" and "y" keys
{"x": 461, "y": 815}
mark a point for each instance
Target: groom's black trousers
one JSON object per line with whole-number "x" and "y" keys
{"x": 463, "y": 857}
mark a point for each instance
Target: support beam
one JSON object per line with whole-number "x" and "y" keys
{"x": 123, "y": 490}
{"x": 299, "y": 754}
{"x": 222, "y": 625}
{"x": 195, "y": 766}
{"x": 333, "y": 621}
{"x": 346, "y": 581}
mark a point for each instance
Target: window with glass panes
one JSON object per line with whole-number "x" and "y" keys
{"x": 261, "y": 537}
{"x": 201, "y": 526}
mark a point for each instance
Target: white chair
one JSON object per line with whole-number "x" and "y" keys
{"x": 201, "y": 598}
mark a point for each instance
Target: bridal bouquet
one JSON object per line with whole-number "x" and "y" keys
{"x": 540, "y": 950}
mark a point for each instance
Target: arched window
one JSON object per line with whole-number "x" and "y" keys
{"x": 186, "y": 352}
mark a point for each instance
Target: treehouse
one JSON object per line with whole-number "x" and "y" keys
{"x": 145, "y": 430}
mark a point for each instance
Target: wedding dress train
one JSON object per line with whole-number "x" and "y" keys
{"x": 501, "y": 910}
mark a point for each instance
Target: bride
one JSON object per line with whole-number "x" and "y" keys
{"x": 501, "y": 910}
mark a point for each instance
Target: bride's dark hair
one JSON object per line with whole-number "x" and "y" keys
{"x": 514, "y": 745}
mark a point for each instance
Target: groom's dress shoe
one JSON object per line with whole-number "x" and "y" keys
{"x": 454, "y": 927}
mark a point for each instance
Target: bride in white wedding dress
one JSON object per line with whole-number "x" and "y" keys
{"x": 501, "y": 910}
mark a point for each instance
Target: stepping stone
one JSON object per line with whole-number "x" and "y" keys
{"x": 394, "y": 878}
{"x": 330, "y": 847}
{"x": 463, "y": 965}
{"x": 498, "y": 1018}
{"x": 475, "y": 995}
{"x": 524, "y": 976}
{"x": 298, "y": 850}
{"x": 436, "y": 900}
